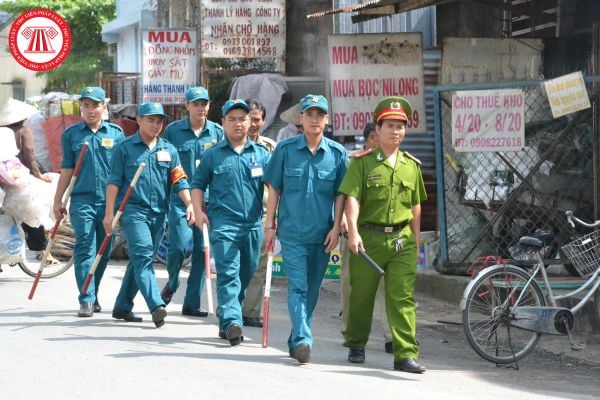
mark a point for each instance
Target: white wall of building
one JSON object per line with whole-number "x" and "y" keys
{"x": 10, "y": 71}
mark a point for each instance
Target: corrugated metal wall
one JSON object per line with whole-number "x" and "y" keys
{"x": 421, "y": 146}
{"x": 421, "y": 20}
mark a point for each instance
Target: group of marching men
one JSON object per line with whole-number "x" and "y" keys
{"x": 201, "y": 174}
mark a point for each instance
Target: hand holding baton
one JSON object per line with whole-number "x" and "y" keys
{"x": 208, "y": 285}
{"x": 65, "y": 200}
{"x": 113, "y": 225}
{"x": 267, "y": 298}
{"x": 368, "y": 259}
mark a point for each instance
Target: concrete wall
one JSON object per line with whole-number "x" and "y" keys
{"x": 467, "y": 19}
{"x": 10, "y": 70}
{"x": 306, "y": 40}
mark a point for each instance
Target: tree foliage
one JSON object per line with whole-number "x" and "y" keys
{"x": 89, "y": 54}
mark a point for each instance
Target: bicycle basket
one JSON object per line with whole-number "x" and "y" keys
{"x": 584, "y": 253}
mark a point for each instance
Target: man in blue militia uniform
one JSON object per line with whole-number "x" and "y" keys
{"x": 385, "y": 190}
{"x": 303, "y": 176}
{"x": 191, "y": 136}
{"x": 88, "y": 195}
{"x": 144, "y": 215}
{"x": 233, "y": 172}
{"x": 253, "y": 298}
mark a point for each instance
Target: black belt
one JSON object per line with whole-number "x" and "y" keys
{"x": 386, "y": 228}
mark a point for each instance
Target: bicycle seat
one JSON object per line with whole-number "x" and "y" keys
{"x": 538, "y": 240}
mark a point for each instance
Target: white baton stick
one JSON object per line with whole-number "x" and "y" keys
{"x": 209, "y": 297}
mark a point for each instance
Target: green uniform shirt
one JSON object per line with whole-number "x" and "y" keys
{"x": 385, "y": 194}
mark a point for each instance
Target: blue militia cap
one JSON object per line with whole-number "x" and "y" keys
{"x": 196, "y": 93}
{"x": 235, "y": 103}
{"x": 312, "y": 100}
{"x": 149, "y": 108}
{"x": 93, "y": 93}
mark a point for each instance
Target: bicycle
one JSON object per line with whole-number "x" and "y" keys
{"x": 505, "y": 311}
{"x": 30, "y": 263}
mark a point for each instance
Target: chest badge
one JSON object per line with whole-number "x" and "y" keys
{"x": 162, "y": 155}
{"x": 107, "y": 143}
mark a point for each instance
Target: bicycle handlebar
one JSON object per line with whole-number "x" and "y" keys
{"x": 571, "y": 218}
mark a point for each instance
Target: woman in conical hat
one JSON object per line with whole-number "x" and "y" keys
{"x": 13, "y": 115}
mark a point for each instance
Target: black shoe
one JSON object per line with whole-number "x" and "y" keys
{"x": 85, "y": 310}
{"x": 128, "y": 316}
{"x": 356, "y": 355}
{"x": 222, "y": 335}
{"x": 97, "y": 307}
{"x": 409, "y": 365}
{"x": 166, "y": 295}
{"x": 234, "y": 334}
{"x": 253, "y": 322}
{"x": 194, "y": 312}
{"x": 389, "y": 347}
{"x": 158, "y": 316}
{"x": 302, "y": 353}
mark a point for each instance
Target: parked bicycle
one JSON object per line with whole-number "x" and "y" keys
{"x": 505, "y": 308}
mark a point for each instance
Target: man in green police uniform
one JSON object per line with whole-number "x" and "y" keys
{"x": 384, "y": 189}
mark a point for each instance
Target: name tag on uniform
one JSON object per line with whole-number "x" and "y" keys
{"x": 256, "y": 171}
{"x": 207, "y": 146}
{"x": 162, "y": 155}
{"x": 108, "y": 143}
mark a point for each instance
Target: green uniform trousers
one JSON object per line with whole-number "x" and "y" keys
{"x": 379, "y": 312}
{"x": 400, "y": 275}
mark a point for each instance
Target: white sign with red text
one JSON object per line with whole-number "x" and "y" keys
{"x": 368, "y": 67}
{"x": 488, "y": 120}
{"x": 243, "y": 28}
{"x": 169, "y": 59}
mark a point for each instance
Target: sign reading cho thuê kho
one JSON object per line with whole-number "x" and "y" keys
{"x": 243, "y": 28}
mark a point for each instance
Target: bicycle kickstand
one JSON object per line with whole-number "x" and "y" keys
{"x": 574, "y": 346}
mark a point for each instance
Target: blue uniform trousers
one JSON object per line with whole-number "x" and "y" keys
{"x": 305, "y": 266}
{"x": 143, "y": 230}
{"x": 179, "y": 236}
{"x": 236, "y": 256}
{"x": 86, "y": 219}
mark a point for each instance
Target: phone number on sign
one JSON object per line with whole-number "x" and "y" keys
{"x": 247, "y": 51}
{"x": 482, "y": 143}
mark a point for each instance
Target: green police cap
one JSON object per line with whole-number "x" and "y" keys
{"x": 93, "y": 93}
{"x": 393, "y": 108}
{"x": 149, "y": 108}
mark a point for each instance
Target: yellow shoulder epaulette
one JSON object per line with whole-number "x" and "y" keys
{"x": 415, "y": 159}
{"x": 362, "y": 153}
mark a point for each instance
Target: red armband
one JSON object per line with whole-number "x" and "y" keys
{"x": 177, "y": 174}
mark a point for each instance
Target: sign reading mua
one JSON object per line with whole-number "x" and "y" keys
{"x": 366, "y": 68}
{"x": 169, "y": 61}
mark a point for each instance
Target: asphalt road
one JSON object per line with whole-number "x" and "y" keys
{"x": 49, "y": 353}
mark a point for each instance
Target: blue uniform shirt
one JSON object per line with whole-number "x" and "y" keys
{"x": 236, "y": 184}
{"x": 94, "y": 171}
{"x": 154, "y": 186}
{"x": 189, "y": 146}
{"x": 307, "y": 185}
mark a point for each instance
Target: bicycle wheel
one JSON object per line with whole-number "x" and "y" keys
{"x": 31, "y": 265}
{"x": 487, "y": 311}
